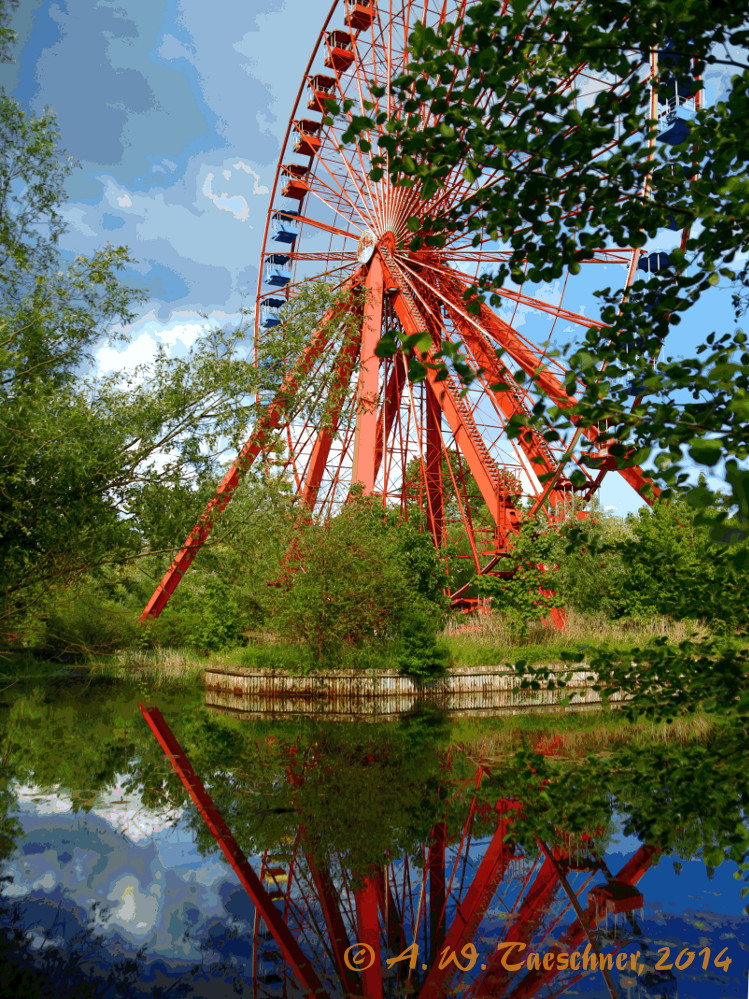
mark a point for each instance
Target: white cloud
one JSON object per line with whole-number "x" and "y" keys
{"x": 257, "y": 187}
{"x": 124, "y": 201}
{"x": 137, "y": 911}
{"x": 142, "y": 350}
{"x": 185, "y": 333}
{"x": 235, "y": 204}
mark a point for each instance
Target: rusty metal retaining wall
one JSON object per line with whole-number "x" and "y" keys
{"x": 379, "y": 695}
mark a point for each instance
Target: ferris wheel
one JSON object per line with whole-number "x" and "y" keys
{"x": 431, "y": 445}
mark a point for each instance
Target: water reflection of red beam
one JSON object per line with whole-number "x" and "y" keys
{"x": 472, "y": 909}
{"x": 375, "y": 896}
{"x": 301, "y": 965}
{"x": 339, "y": 941}
{"x": 629, "y": 875}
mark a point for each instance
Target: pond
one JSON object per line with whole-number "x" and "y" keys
{"x": 180, "y": 851}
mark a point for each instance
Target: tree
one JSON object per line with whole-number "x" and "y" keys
{"x": 526, "y": 587}
{"x": 361, "y": 582}
{"x": 84, "y": 456}
{"x": 485, "y": 90}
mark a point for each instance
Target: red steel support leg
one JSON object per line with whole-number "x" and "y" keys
{"x": 321, "y": 449}
{"x": 521, "y": 930}
{"x": 293, "y": 954}
{"x": 396, "y": 936}
{"x": 435, "y": 498}
{"x": 369, "y": 933}
{"x": 436, "y": 865}
{"x": 471, "y": 910}
{"x": 365, "y": 440}
{"x": 334, "y": 921}
{"x": 271, "y": 420}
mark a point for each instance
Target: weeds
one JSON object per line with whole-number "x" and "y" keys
{"x": 492, "y": 639}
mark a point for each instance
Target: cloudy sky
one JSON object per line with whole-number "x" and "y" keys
{"x": 175, "y": 111}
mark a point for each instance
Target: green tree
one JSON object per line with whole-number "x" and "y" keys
{"x": 526, "y": 585}
{"x": 86, "y": 460}
{"x": 557, "y": 176}
{"x": 358, "y": 584}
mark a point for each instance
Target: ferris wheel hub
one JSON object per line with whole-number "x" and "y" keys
{"x": 366, "y": 248}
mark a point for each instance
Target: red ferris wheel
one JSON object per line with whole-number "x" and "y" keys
{"x": 426, "y": 444}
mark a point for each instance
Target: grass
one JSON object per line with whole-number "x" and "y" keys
{"x": 580, "y": 735}
{"x": 491, "y": 639}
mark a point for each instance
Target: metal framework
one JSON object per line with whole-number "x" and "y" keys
{"x": 471, "y": 887}
{"x": 427, "y": 445}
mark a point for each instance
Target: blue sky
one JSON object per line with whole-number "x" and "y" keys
{"x": 175, "y": 111}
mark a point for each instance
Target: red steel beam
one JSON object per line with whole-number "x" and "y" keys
{"x": 472, "y": 909}
{"x": 369, "y": 934}
{"x": 526, "y": 358}
{"x": 270, "y": 420}
{"x": 396, "y": 935}
{"x": 521, "y": 929}
{"x": 495, "y": 373}
{"x": 435, "y": 495}
{"x": 337, "y": 934}
{"x": 365, "y": 439}
{"x": 631, "y": 873}
{"x": 293, "y": 954}
{"x": 324, "y": 441}
{"x": 436, "y": 866}
{"x": 390, "y": 406}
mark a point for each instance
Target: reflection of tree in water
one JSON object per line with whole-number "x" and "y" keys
{"x": 513, "y": 872}
{"x": 373, "y": 802}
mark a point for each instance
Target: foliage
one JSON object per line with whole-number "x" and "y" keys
{"x": 361, "y": 580}
{"x": 526, "y": 587}
{"x": 89, "y": 461}
{"x": 520, "y": 137}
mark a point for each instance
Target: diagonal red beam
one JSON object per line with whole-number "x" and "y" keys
{"x": 532, "y": 365}
{"x": 507, "y": 399}
{"x": 271, "y": 419}
{"x": 630, "y": 874}
{"x": 293, "y": 954}
{"x": 472, "y": 909}
{"x": 334, "y": 921}
{"x": 521, "y": 929}
{"x": 324, "y": 441}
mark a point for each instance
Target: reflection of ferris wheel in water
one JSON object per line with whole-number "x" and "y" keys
{"x": 424, "y": 443}
{"x": 459, "y": 916}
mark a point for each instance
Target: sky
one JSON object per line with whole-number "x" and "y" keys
{"x": 175, "y": 112}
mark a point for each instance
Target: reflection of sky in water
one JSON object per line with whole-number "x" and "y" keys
{"x": 141, "y": 869}
{"x": 144, "y": 869}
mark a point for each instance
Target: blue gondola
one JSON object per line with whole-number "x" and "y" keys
{"x": 276, "y": 272}
{"x": 677, "y": 124}
{"x": 654, "y": 262}
{"x": 284, "y": 227}
{"x": 270, "y": 315}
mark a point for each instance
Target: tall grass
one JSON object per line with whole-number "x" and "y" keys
{"x": 492, "y": 639}
{"x": 570, "y": 736}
